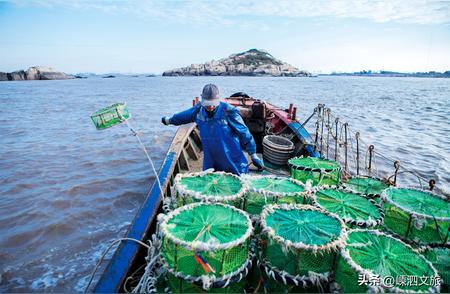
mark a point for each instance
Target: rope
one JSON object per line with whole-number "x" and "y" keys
{"x": 106, "y": 251}
{"x": 146, "y": 153}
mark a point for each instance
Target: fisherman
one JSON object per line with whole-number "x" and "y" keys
{"x": 222, "y": 131}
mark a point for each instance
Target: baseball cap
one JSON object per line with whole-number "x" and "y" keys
{"x": 210, "y": 95}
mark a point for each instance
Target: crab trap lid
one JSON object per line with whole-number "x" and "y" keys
{"x": 110, "y": 116}
{"x": 211, "y": 186}
{"x": 353, "y": 208}
{"x": 302, "y": 226}
{"x": 366, "y": 185}
{"x": 273, "y": 185}
{"x": 419, "y": 202}
{"x": 205, "y": 226}
{"x": 378, "y": 256}
{"x": 313, "y": 164}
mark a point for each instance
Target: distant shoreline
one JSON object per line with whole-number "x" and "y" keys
{"x": 391, "y": 74}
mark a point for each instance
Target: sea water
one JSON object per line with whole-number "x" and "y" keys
{"x": 68, "y": 190}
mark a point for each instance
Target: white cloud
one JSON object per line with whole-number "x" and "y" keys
{"x": 240, "y": 11}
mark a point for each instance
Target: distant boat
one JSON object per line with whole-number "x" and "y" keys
{"x": 109, "y": 77}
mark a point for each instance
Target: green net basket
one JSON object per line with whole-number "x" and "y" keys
{"x": 206, "y": 243}
{"x": 374, "y": 261}
{"x": 369, "y": 186}
{"x": 180, "y": 285}
{"x": 354, "y": 209}
{"x": 300, "y": 242}
{"x": 416, "y": 215}
{"x": 440, "y": 258}
{"x": 209, "y": 186}
{"x": 110, "y": 116}
{"x": 319, "y": 171}
{"x": 264, "y": 190}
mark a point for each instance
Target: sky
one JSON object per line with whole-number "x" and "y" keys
{"x": 101, "y": 36}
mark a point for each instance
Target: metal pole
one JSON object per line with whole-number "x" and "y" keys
{"x": 328, "y": 130}
{"x": 336, "y": 143}
{"x": 357, "y": 153}
{"x": 317, "y": 127}
{"x": 396, "y": 166}
{"x": 345, "y": 146}
{"x": 371, "y": 147}
{"x": 321, "y": 131}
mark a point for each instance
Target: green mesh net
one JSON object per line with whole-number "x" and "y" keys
{"x": 209, "y": 186}
{"x": 319, "y": 171}
{"x": 110, "y": 116}
{"x": 300, "y": 240}
{"x": 179, "y": 285}
{"x": 354, "y": 209}
{"x": 374, "y": 259}
{"x": 416, "y": 215}
{"x": 203, "y": 239}
{"x": 371, "y": 187}
{"x": 264, "y": 190}
{"x": 440, "y": 258}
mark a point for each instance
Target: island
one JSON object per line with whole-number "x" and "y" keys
{"x": 35, "y": 73}
{"x": 254, "y": 62}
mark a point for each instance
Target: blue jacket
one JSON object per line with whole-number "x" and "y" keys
{"x": 223, "y": 137}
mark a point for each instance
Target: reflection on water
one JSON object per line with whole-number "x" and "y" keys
{"x": 68, "y": 190}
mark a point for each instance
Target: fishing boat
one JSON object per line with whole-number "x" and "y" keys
{"x": 185, "y": 156}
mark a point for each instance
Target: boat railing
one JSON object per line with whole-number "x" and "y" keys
{"x": 334, "y": 139}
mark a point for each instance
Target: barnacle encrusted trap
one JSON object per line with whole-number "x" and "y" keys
{"x": 206, "y": 244}
{"x": 319, "y": 171}
{"x": 209, "y": 186}
{"x": 369, "y": 186}
{"x": 264, "y": 190}
{"x": 416, "y": 215}
{"x": 299, "y": 243}
{"x": 354, "y": 209}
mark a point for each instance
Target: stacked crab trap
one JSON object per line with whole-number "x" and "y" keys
{"x": 319, "y": 171}
{"x": 417, "y": 216}
{"x": 440, "y": 258}
{"x": 376, "y": 262}
{"x": 299, "y": 243}
{"x": 218, "y": 225}
{"x": 368, "y": 186}
{"x": 208, "y": 186}
{"x": 205, "y": 246}
{"x": 263, "y": 190}
{"x": 353, "y": 208}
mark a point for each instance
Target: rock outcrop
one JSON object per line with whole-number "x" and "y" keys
{"x": 34, "y": 73}
{"x": 253, "y": 62}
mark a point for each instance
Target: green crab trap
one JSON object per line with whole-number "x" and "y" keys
{"x": 206, "y": 245}
{"x": 369, "y": 186}
{"x": 440, "y": 258}
{"x": 416, "y": 215}
{"x": 319, "y": 171}
{"x": 110, "y": 116}
{"x": 374, "y": 261}
{"x": 264, "y": 190}
{"x": 299, "y": 243}
{"x": 208, "y": 186}
{"x": 354, "y": 209}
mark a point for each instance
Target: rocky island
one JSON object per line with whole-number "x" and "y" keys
{"x": 34, "y": 73}
{"x": 253, "y": 62}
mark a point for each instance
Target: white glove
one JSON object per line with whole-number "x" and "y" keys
{"x": 165, "y": 120}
